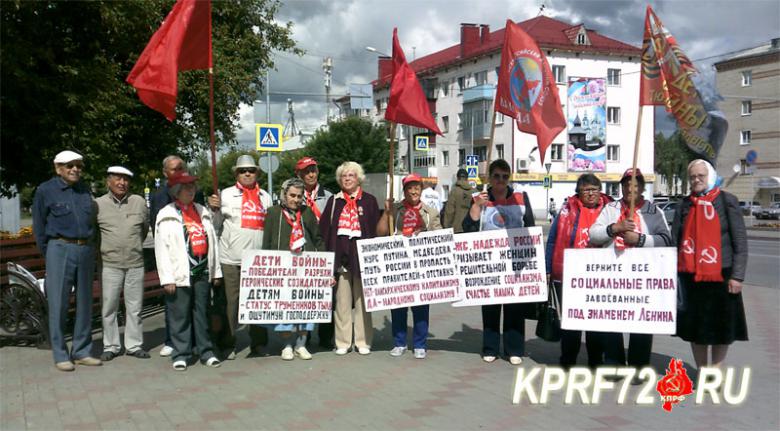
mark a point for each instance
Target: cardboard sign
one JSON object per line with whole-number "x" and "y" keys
{"x": 282, "y": 287}
{"x": 630, "y": 291}
{"x": 501, "y": 266}
{"x": 399, "y": 271}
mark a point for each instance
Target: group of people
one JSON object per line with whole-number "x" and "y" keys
{"x": 199, "y": 242}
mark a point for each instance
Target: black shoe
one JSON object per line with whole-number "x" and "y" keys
{"x": 636, "y": 381}
{"x": 140, "y": 354}
{"x": 108, "y": 355}
{"x": 614, "y": 377}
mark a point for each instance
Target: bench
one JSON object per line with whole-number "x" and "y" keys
{"x": 23, "y": 308}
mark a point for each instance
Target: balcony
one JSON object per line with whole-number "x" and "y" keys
{"x": 480, "y": 92}
{"x": 425, "y": 165}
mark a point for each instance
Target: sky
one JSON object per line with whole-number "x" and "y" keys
{"x": 341, "y": 29}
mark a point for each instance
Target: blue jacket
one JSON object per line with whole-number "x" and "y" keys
{"x": 62, "y": 210}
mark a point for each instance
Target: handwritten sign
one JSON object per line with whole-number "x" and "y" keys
{"x": 630, "y": 291}
{"x": 281, "y": 287}
{"x": 501, "y": 266}
{"x": 401, "y": 271}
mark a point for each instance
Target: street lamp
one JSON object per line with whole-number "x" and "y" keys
{"x": 376, "y": 51}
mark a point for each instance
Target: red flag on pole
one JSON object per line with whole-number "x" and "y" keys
{"x": 526, "y": 90}
{"x": 407, "y": 104}
{"x": 183, "y": 42}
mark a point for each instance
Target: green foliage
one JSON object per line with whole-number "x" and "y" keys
{"x": 672, "y": 156}
{"x": 63, "y": 67}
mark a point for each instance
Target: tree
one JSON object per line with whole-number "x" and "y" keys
{"x": 62, "y": 85}
{"x": 672, "y": 156}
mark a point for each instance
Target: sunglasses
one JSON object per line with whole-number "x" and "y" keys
{"x": 504, "y": 177}
{"x": 247, "y": 170}
{"x": 74, "y": 165}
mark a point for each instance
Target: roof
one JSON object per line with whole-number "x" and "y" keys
{"x": 757, "y": 51}
{"x": 549, "y": 33}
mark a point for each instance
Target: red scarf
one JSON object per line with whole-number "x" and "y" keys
{"x": 196, "y": 234}
{"x": 311, "y": 201}
{"x": 620, "y": 244}
{"x": 574, "y": 212}
{"x": 413, "y": 221}
{"x": 349, "y": 223}
{"x": 700, "y": 249}
{"x": 297, "y": 239}
{"x": 252, "y": 211}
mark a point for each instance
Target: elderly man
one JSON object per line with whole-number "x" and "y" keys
{"x": 615, "y": 227}
{"x": 315, "y": 197}
{"x": 458, "y": 203}
{"x": 123, "y": 223}
{"x": 64, "y": 225}
{"x": 243, "y": 210}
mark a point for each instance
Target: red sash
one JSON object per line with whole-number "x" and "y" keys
{"x": 349, "y": 223}
{"x": 566, "y": 219}
{"x": 297, "y": 239}
{"x": 700, "y": 249}
{"x": 620, "y": 244}
{"x": 252, "y": 211}
{"x": 413, "y": 221}
{"x": 311, "y": 201}
{"x": 196, "y": 234}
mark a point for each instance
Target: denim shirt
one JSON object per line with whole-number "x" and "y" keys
{"x": 62, "y": 210}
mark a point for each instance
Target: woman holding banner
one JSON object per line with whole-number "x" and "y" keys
{"x": 710, "y": 234}
{"x": 501, "y": 207}
{"x": 570, "y": 230}
{"x": 292, "y": 226}
{"x": 349, "y": 216}
{"x": 412, "y": 217}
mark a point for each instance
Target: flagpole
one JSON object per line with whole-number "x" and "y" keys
{"x": 390, "y": 164}
{"x": 211, "y": 114}
{"x": 490, "y": 148}
{"x": 636, "y": 155}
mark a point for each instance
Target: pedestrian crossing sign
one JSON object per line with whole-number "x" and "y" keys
{"x": 472, "y": 171}
{"x": 268, "y": 137}
{"x": 421, "y": 143}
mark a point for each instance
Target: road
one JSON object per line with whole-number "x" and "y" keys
{"x": 763, "y": 262}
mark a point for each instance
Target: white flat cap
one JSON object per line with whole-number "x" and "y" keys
{"x": 120, "y": 170}
{"x": 67, "y": 156}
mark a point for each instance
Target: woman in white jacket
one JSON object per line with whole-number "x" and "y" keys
{"x": 186, "y": 250}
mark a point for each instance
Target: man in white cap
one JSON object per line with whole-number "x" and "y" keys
{"x": 123, "y": 223}
{"x": 243, "y": 209}
{"x": 64, "y": 225}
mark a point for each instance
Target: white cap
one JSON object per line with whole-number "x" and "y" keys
{"x": 120, "y": 170}
{"x": 67, "y": 156}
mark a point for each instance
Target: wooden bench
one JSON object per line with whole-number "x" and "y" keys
{"x": 24, "y": 310}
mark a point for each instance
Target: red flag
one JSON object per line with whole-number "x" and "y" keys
{"x": 526, "y": 90}
{"x": 183, "y": 42}
{"x": 407, "y": 104}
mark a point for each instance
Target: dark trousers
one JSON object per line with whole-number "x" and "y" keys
{"x": 69, "y": 265}
{"x": 570, "y": 347}
{"x": 639, "y": 348}
{"x": 188, "y": 307}
{"x": 258, "y": 334}
{"x": 420, "y": 315}
{"x": 514, "y": 329}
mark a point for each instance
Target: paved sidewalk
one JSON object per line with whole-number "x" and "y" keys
{"x": 451, "y": 389}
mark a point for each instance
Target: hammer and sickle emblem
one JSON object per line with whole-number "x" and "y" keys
{"x": 585, "y": 237}
{"x": 688, "y": 246}
{"x": 709, "y": 255}
{"x": 250, "y": 206}
{"x": 709, "y": 210}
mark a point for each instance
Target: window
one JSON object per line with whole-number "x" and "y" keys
{"x": 460, "y": 121}
{"x": 461, "y": 83}
{"x": 378, "y": 104}
{"x": 581, "y": 40}
{"x": 481, "y": 77}
{"x": 613, "y": 77}
{"x": 446, "y": 189}
{"x": 559, "y": 72}
{"x": 747, "y": 78}
{"x": 445, "y": 157}
{"x": 462, "y": 157}
{"x": 445, "y": 123}
{"x": 613, "y": 189}
{"x": 613, "y": 153}
{"x": 613, "y": 115}
{"x": 556, "y": 152}
{"x": 500, "y": 150}
{"x": 499, "y": 118}
{"x": 445, "y": 88}
{"x": 744, "y": 137}
{"x": 744, "y": 168}
{"x": 747, "y": 107}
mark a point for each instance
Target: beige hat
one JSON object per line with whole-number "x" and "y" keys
{"x": 120, "y": 170}
{"x": 67, "y": 156}
{"x": 245, "y": 161}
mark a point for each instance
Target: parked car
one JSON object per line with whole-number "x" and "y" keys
{"x": 669, "y": 209}
{"x": 772, "y": 212}
{"x": 749, "y": 208}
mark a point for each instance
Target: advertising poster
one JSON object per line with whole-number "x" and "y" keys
{"x": 586, "y": 123}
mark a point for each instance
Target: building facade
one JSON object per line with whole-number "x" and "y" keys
{"x": 749, "y": 82}
{"x": 598, "y": 84}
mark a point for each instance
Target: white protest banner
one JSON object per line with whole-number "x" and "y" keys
{"x": 399, "y": 271}
{"x": 501, "y": 266}
{"x": 282, "y": 287}
{"x": 634, "y": 290}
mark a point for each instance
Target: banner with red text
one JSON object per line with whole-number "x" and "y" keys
{"x": 282, "y": 287}
{"x": 400, "y": 271}
{"x": 633, "y": 291}
{"x": 501, "y": 266}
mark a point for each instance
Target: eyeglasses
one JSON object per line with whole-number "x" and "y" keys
{"x": 504, "y": 177}
{"x": 74, "y": 165}
{"x": 590, "y": 191}
{"x": 247, "y": 170}
{"x": 697, "y": 177}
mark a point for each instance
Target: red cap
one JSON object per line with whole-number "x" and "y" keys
{"x": 629, "y": 171}
{"x": 181, "y": 177}
{"x": 411, "y": 178}
{"x": 304, "y": 163}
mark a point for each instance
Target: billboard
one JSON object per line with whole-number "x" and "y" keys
{"x": 586, "y": 124}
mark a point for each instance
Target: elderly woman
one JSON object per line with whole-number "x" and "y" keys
{"x": 292, "y": 226}
{"x": 186, "y": 250}
{"x": 570, "y": 230}
{"x": 349, "y": 215}
{"x": 501, "y": 207}
{"x": 710, "y": 234}
{"x": 411, "y": 217}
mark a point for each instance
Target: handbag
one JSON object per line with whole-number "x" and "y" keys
{"x": 548, "y": 328}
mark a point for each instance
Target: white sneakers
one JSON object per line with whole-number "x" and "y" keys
{"x": 213, "y": 362}
{"x": 287, "y": 354}
{"x": 488, "y": 358}
{"x": 364, "y": 351}
{"x": 515, "y": 360}
{"x": 341, "y": 352}
{"x": 180, "y": 365}
{"x": 397, "y": 351}
{"x": 419, "y": 353}
{"x": 302, "y": 353}
{"x": 166, "y": 351}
